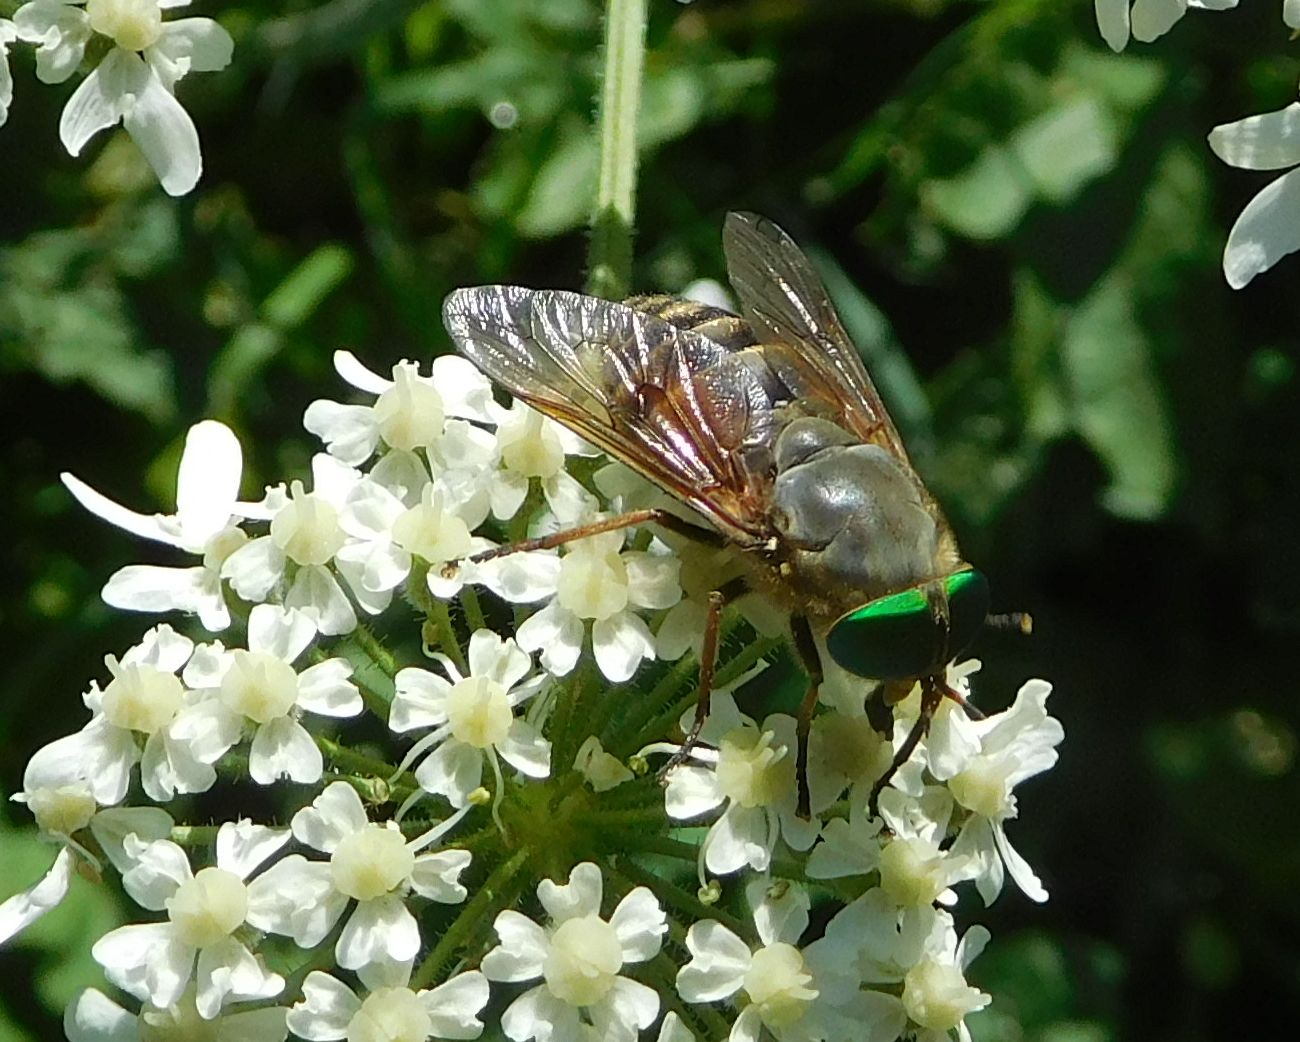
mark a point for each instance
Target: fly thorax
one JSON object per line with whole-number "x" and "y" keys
{"x": 859, "y": 516}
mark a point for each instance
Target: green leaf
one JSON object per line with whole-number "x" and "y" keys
{"x": 1066, "y": 147}
{"x": 986, "y": 200}
{"x": 1117, "y": 403}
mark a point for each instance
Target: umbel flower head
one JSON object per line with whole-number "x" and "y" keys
{"x": 458, "y": 834}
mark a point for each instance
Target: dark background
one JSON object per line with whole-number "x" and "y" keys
{"x": 1022, "y": 230}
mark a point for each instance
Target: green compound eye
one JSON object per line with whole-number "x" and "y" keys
{"x": 896, "y": 637}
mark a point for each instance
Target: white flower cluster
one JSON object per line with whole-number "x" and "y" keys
{"x": 1268, "y": 229}
{"x": 507, "y": 866}
{"x": 139, "y": 58}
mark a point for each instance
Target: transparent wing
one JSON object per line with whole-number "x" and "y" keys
{"x": 785, "y": 301}
{"x": 687, "y": 413}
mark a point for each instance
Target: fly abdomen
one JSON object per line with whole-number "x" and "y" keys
{"x": 722, "y": 327}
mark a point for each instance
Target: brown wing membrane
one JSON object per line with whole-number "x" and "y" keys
{"x": 678, "y": 408}
{"x": 786, "y": 302}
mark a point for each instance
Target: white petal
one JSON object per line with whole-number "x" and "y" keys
{"x": 255, "y": 568}
{"x": 1270, "y": 141}
{"x": 317, "y": 593}
{"x": 60, "y": 30}
{"x": 1267, "y": 230}
{"x": 1291, "y": 13}
{"x": 153, "y": 588}
{"x": 629, "y": 1007}
{"x": 1021, "y": 874}
{"x": 324, "y": 688}
{"x": 578, "y": 897}
{"x": 522, "y": 951}
{"x": 242, "y": 846}
{"x": 1153, "y": 18}
{"x": 557, "y": 633}
{"x": 539, "y": 1014}
{"x": 620, "y": 643}
{"x": 148, "y": 526}
{"x": 23, "y": 909}
{"x": 1113, "y": 21}
{"x": 112, "y": 825}
{"x": 652, "y": 579}
{"x": 522, "y": 578}
{"x": 296, "y": 898}
{"x": 737, "y": 839}
{"x": 201, "y": 42}
{"x": 640, "y": 924}
{"x": 464, "y": 390}
{"x": 690, "y": 792}
{"x": 164, "y": 132}
{"x": 454, "y": 769}
{"x": 348, "y": 366}
{"x": 207, "y": 484}
{"x": 419, "y": 700}
{"x": 327, "y": 1008}
{"x": 778, "y": 919}
{"x": 348, "y": 431}
{"x": 378, "y": 930}
{"x": 93, "y": 1017}
{"x": 436, "y": 876}
{"x": 98, "y": 102}
{"x": 526, "y": 750}
{"x": 453, "y": 1006}
{"x": 160, "y": 869}
{"x": 284, "y": 749}
{"x": 229, "y": 970}
{"x": 719, "y": 962}
{"x": 147, "y": 960}
{"x": 335, "y": 813}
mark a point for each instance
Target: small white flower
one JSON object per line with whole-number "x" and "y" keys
{"x": 61, "y": 800}
{"x": 749, "y": 772}
{"x": 779, "y": 986}
{"x": 409, "y": 413}
{"x": 473, "y": 719}
{"x": 579, "y": 958}
{"x": 259, "y": 690}
{"x": 144, "y": 698}
{"x": 597, "y": 581}
{"x": 391, "y": 1010}
{"x": 93, "y": 1017}
{"x": 207, "y": 487}
{"x": 306, "y": 533}
{"x": 369, "y": 862}
{"x": 156, "y": 962}
{"x": 872, "y": 942}
{"x": 1015, "y": 744}
{"x": 1269, "y": 227}
{"x": 134, "y": 83}
{"x": 1147, "y": 19}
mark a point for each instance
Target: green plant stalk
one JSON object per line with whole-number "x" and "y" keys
{"x": 609, "y": 253}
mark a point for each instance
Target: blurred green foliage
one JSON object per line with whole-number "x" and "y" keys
{"x": 1023, "y": 232}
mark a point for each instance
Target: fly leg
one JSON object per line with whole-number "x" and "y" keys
{"x": 931, "y": 696}
{"x": 718, "y": 600}
{"x": 812, "y": 664}
{"x": 651, "y": 515}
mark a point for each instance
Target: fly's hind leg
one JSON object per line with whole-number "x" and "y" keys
{"x": 806, "y": 648}
{"x": 717, "y": 600}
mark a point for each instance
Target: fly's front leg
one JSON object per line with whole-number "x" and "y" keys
{"x": 651, "y": 515}
{"x": 812, "y": 664}
{"x": 932, "y": 691}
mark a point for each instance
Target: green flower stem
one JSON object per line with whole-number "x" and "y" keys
{"x": 473, "y": 610}
{"x": 749, "y": 656}
{"x": 630, "y": 816}
{"x": 439, "y": 614}
{"x": 496, "y": 893}
{"x": 377, "y": 653}
{"x": 609, "y": 253}
{"x": 361, "y": 770}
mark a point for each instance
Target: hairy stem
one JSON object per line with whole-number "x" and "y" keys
{"x": 609, "y": 254}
